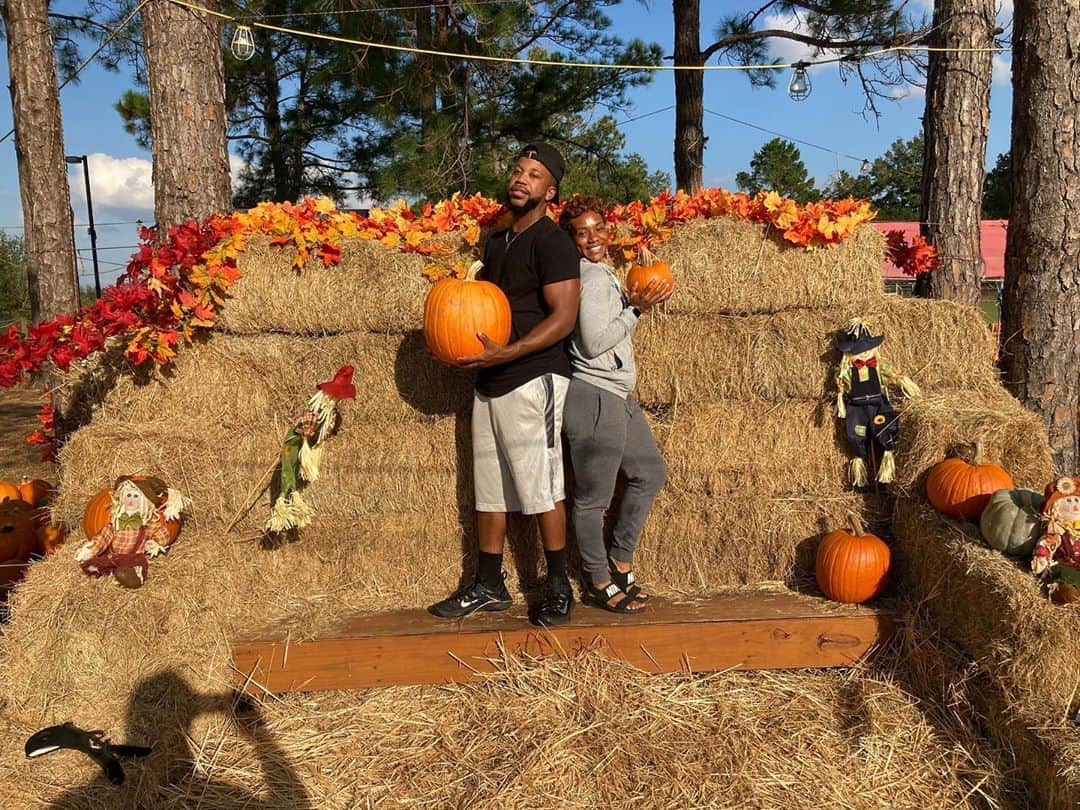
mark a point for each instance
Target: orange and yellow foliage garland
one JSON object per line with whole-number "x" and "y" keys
{"x": 176, "y": 285}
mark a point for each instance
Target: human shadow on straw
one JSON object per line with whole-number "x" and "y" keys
{"x": 161, "y": 713}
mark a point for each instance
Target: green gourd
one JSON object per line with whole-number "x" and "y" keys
{"x": 1011, "y": 522}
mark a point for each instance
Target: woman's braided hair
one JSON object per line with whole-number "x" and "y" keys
{"x": 576, "y": 206}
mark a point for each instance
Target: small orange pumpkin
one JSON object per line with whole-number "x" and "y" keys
{"x": 17, "y": 538}
{"x": 98, "y": 512}
{"x": 35, "y": 491}
{"x": 50, "y": 538}
{"x": 649, "y": 269}
{"x": 961, "y": 489}
{"x": 9, "y": 491}
{"x": 853, "y": 566}
{"x": 456, "y": 309}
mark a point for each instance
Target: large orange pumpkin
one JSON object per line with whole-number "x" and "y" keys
{"x": 456, "y": 309}
{"x": 962, "y": 489}
{"x": 98, "y": 512}
{"x": 17, "y": 538}
{"x": 852, "y": 566}
{"x": 9, "y": 491}
{"x": 650, "y": 268}
{"x": 35, "y": 491}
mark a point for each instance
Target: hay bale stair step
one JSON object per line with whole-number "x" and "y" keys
{"x": 773, "y": 630}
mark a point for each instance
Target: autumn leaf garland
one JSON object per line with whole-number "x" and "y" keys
{"x": 176, "y": 285}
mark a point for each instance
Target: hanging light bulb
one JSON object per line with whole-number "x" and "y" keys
{"x": 865, "y": 167}
{"x": 799, "y": 87}
{"x": 243, "y": 43}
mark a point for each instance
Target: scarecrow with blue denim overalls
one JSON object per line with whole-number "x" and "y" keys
{"x": 862, "y": 402}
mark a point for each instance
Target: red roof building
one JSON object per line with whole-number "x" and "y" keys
{"x": 992, "y": 236}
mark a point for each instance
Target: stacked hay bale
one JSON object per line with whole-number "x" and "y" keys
{"x": 742, "y": 361}
{"x": 736, "y": 377}
{"x": 1025, "y": 650}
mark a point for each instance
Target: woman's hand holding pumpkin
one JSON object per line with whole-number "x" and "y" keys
{"x": 655, "y": 292}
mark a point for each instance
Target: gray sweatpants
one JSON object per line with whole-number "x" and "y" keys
{"x": 608, "y": 433}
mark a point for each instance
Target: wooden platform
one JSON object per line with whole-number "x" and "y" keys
{"x": 775, "y": 630}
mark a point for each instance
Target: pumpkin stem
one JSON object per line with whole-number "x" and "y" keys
{"x": 979, "y": 451}
{"x": 474, "y": 268}
{"x": 856, "y": 524}
{"x": 647, "y": 257}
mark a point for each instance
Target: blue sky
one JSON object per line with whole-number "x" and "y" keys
{"x": 832, "y": 117}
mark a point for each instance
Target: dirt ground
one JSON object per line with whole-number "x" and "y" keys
{"x": 18, "y": 419}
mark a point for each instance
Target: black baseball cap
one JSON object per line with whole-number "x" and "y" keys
{"x": 548, "y": 155}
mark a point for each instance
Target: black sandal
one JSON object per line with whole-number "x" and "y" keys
{"x": 599, "y": 598}
{"x": 626, "y": 582}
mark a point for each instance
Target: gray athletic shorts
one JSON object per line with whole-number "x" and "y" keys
{"x": 517, "y": 447}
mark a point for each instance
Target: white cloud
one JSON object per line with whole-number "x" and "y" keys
{"x": 123, "y": 187}
{"x": 788, "y": 50}
{"x": 1002, "y": 69}
{"x": 117, "y": 185}
{"x": 908, "y": 91}
{"x": 236, "y": 165}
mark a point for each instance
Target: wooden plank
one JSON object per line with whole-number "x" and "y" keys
{"x": 774, "y": 631}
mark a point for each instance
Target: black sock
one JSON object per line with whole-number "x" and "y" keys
{"x": 556, "y": 563}
{"x": 489, "y": 570}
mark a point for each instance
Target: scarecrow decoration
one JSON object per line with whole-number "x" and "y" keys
{"x": 1057, "y": 553}
{"x": 142, "y": 524}
{"x": 301, "y": 452}
{"x": 862, "y": 402}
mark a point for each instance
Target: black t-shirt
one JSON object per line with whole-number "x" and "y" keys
{"x": 521, "y": 265}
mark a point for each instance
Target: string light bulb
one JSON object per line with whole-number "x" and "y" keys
{"x": 799, "y": 87}
{"x": 865, "y": 167}
{"x": 243, "y": 43}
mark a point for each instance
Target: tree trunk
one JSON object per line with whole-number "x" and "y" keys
{"x": 1040, "y": 351}
{"x": 39, "y": 150}
{"x": 689, "y": 96}
{"x": 955, "y": 127}
{"x": 187, "y": 112}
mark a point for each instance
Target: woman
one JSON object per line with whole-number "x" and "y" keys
{"x": 603, "y": 423}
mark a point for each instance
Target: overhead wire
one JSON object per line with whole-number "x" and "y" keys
{"x": 520, "y": 60}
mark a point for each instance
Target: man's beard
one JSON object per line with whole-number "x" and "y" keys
{"x": 524, "y": 207}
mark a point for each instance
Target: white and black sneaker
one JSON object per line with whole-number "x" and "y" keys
{"x": 477, "y": 596}
{"x": 556, "y": 604}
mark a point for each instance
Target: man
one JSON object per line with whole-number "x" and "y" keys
{"x": 520, "y": 390}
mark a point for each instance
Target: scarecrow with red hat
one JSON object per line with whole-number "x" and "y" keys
{"x": 1057, "y": 554}
{"x": 135, "y": 531}
{"x": 301, "y": 452}
{"x": 861, "y": 401}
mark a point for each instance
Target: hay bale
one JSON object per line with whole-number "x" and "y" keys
{"x": 721, "y": 265}
{"x": 1011, "y": 436}
{"x": 152, "y": 666}
{"x": 732, "y": 266}
{"x": 373, "y": 288}
{"x": 252, "y": 379}
{"x": 695, "y": 544}
{"x": 729, "y": 525}
{"x": 716, "y": 448}
{"x": 366, "y": 469}
{"x": 792, "y": 355}
{"x": 1026, "y": 648}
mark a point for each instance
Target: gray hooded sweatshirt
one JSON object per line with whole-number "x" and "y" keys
{"x": 600, "y": 348}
